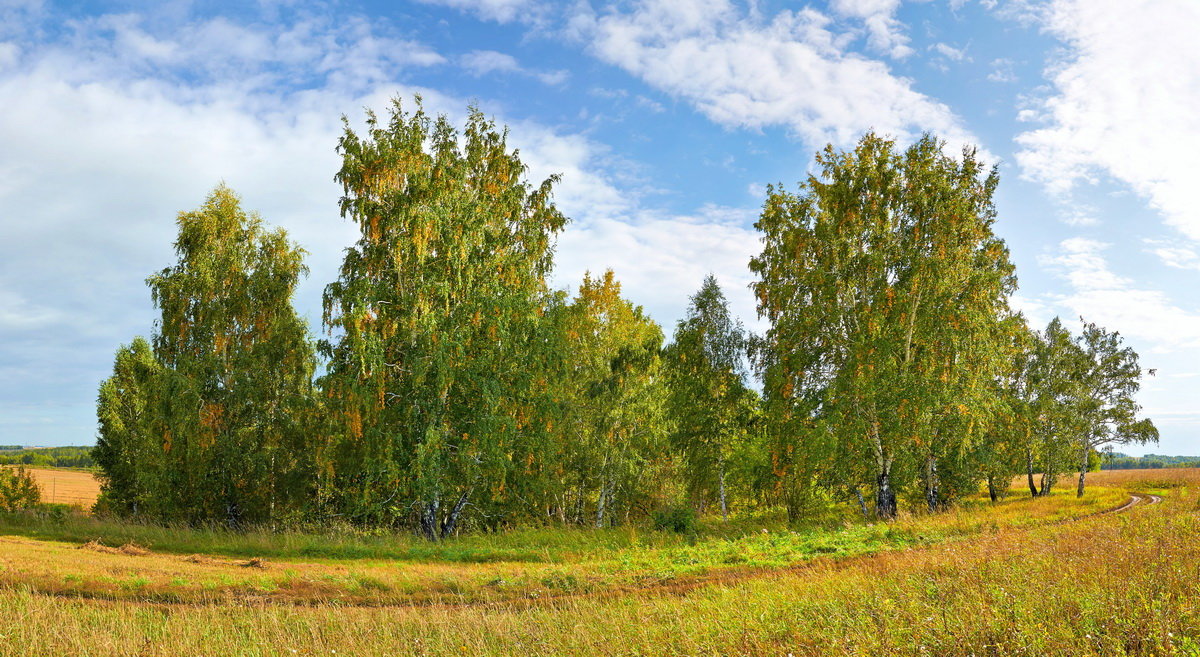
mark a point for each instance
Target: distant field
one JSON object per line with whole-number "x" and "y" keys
{"x": 67, "y": 486}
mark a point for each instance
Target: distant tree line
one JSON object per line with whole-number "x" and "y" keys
{"x": 1119, "y": 461}
{"x": 52, "y": 457}
{"x": 453, "y": 388}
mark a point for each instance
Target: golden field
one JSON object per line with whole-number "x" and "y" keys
{"x": 74, "y": 487}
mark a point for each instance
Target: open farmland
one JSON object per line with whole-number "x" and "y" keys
{"x": 1026, "y": 576}
{"x": 74, "y": 487}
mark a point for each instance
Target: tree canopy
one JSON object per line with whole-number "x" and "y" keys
{"x": 887, "y": 291}
{"x": 453, "y": 389}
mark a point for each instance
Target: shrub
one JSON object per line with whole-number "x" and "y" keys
{"x": 18, "y": 490}
{"x": 678, "y": 519}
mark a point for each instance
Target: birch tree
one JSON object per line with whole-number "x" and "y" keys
{"x": 613, "y": 400}
{"x": 237, "y": 365}
{"x": 1110, "y": 378}
{"x": 129, "y": 447}
{"x": 886, "y": 291}
{"x": 711, "y": 407}
{"x": 433, "y": 316}
{"x": 1056, "y": 391}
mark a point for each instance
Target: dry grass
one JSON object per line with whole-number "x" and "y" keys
{"x": 74, "y": 487}
{"x": 1113, "y": 584}
{"x": 107, "y": 572}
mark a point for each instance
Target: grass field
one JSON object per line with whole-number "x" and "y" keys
{"x": 1024, "y": 577}
{"x": 61, "y": 486}
{"x": 74, "y": 487}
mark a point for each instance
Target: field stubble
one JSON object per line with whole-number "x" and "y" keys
{"x": 77, "y": 488}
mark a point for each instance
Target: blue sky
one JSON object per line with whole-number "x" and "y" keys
{"x": 666, "y": 119}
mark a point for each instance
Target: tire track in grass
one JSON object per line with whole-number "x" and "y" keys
{"x": 665, "y": 587}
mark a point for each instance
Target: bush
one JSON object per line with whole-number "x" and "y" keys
{"x": 18, "y": 490}
{"x": 678, "y": 519}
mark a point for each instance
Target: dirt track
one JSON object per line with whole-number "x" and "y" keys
{"x": 668, "y": 587}
{"x": 1135, "y": 500}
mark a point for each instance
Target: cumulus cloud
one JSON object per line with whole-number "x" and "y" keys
{"x": 742, "y": 69}
{"x": 1164, "y": 333}
{"x": 1102, "y": 296}
{"x": 885, "y": 33}
{"x": 661, "y": 259}
{"x": 114, "y": 129}
{"x": 1122, "y": 103}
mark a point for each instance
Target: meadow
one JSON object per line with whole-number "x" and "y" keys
{"x": 1050, "y": 576}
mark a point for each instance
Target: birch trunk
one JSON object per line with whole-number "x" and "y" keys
{"x": 1033, "y": 491}
{"x": 931, "y": 486}
{"x": 1083, "y": 466}
{"x": 724, "y": 506}
{"x": 451, "y": 522}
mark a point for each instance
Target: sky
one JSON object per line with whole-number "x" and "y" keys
{"x": 666, "y": 119}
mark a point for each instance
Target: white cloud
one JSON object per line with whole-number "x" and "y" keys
{"x": 110, "y": 133}
{"x": 104, "y": 145}
{"x": 484, "y": 62}
{"x": 1174, "y": 254}
{"x": 10, "y": 53}
{"x": 1164, "y": 334}
{"x": 501, "y": 11}
{"x": 1115, "y": 302}
{"x": 744, "y": 70}
{"x": 1079, "y": 214}
{"x": 885, "y": 33}
{"x": 1037, "y": 313}
{"x": 19, "y": 315}
{"x": 950, "y": 52}
{"x": 554, "y": 78}
{"x": 1002, "y": 71}
{"x": 661, "y": 259}
{"x": 1123, "y": 103}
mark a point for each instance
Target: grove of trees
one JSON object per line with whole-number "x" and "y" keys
{"x": 56, "y": 457}
{"x": 453, "y": 388}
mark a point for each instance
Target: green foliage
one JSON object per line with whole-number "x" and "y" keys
{"x": 49, "y": 457}
{"x": 459, "y": 392}
{"x": 609, "y": 437}
{"x": 881, "y": 278}
{"x": 436, "y": 317}
{"x": 678, "y": 519}
{"x": 712, "y": 410}
{"x": 208, "y": 423}
{"x": 1119, "y": 461}
{"x": 18, "y": 490}
{"x": 1109, "y": 380}
{"x": 1080, "y": 393}
{"x": 128, "y": 448}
